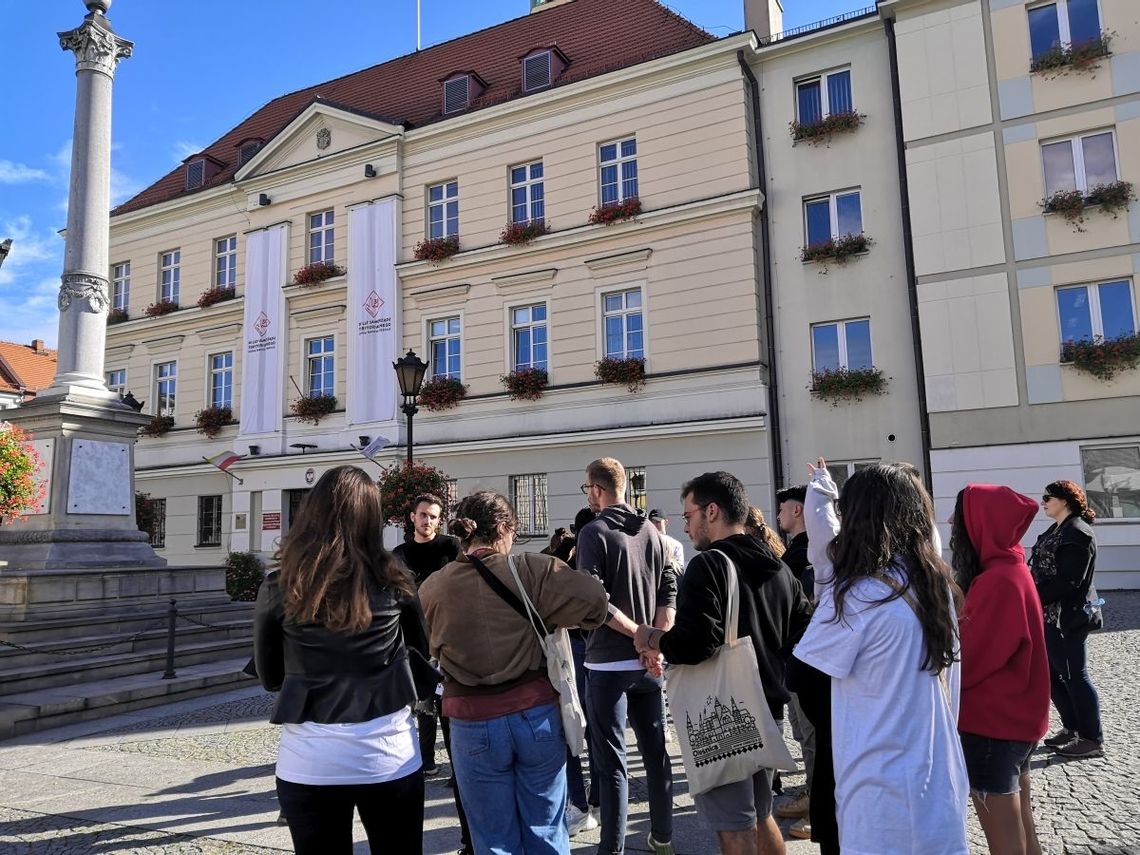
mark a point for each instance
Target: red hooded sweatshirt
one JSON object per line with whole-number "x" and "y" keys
{"x": 1005, "y": 670}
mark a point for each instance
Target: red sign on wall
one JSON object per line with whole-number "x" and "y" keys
{"x": 271, "y": 521}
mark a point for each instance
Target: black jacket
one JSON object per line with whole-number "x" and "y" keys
{"x": 773, "y": 610}
{"x": 796, "y": 557}
{"x": 336, "y": 678}
{"x": 1072, "y": 585}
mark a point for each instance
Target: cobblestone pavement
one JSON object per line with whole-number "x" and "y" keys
{"x": 197, "y": 778}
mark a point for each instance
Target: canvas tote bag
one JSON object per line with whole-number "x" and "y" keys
{"x": 726, "y": 730}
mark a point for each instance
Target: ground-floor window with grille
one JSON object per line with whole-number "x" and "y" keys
{"x": 635, "y": 493}
{"x": 152, "y": 520}
{"x": 209, "y": 521}
{"x": 528, "y": 493}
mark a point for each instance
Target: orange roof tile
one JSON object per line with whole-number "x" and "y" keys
{"x": 22, "y": 367}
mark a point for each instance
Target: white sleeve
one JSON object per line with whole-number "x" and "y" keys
{"x": 830, "y": 645}
{"x": 822, "y": 524}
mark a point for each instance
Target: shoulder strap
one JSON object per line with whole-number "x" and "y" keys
{"x": 732, "y": 606}
{"x": 535, "y": 618}
{"x": 503, "y": 591}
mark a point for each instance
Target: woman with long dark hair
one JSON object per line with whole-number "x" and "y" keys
{"x": 506, "y": 729}
{"x": 1063, "y": 563}
{"x": 885, "y": 631}
{"x": 333, "y": 625}
{"x": 1005, "y": 669}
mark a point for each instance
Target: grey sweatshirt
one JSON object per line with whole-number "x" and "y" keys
{"x": 626, "y": 553}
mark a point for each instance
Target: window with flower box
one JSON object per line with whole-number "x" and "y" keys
{"x": 445, "y": 345}
{"x": 623, "y": 324}
{"x": 170, "y": 275}
{"x": 528, "y": 198}
{"x": 322, "y": 234}
{"x": 1105, "y": 310}
{"x": 822, "y": 95}
{"x": 528, "y": 494}
{"x": 1112, "y": 480}
{"x": 1080, "y": 162}
{"x": 165, "y": 387}
{"x": 443, "y": 210}
{"x": 320, "y": 363}
{"x": 842, "y": 344}
{"x": 121, "y": 286}
{"x": 225, "y": 262}
{"x": 1062, "y": 23}
{"x": 528, "y": 337}
{"x": 222, "y": 379}
{"x": 617, "y": 163}
{"x": 832, "y": 216}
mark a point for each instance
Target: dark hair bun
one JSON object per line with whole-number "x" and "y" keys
{"x": 462, "y": 528}
{"x": 1074, "y": 496}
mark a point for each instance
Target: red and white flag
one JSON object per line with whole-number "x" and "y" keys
{"x": 224, "y": 460}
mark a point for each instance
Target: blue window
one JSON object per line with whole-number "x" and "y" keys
{"x": 824, "y": 95}
{"x": 443, "y": 210}
{"x": 444, "y": 343}
{"x": 321, "y": 366}
{"x": 528, "y": 200}
{"x": 1064, "y": 22}
{"x": 528, "y": 333}
{"x": 623, "y": 322}
{"x": 618, "y": 163}
{"x": 222, "y": 379}
{"x": 321, "y": 234}
{"x": 843, "y": 344}
{"x": 1104, "y": 311}
{"x": 117, "y": 381}
{"x": 831, "y": 217}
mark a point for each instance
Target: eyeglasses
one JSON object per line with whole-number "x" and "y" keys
{"x": 585, "y": 488}
{"x": 1045, "y": 499}
{"x": 685, "y": 516}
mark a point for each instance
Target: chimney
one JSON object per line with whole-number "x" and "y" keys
{"x": 38, "y": 345}
{"x": 763, "y": 17}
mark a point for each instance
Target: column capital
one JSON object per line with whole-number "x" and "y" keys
{"x": 95, "y": 45}
{"x": 84, "y": 286}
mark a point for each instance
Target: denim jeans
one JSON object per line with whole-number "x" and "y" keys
{"x": 1074, "y": 695}
{"x": 511, "y": 771}
{"x": 611, "y": 696}
{"x": 575, "y": 781}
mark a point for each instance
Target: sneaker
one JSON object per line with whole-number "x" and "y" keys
{"x": 794, "y": 809}
{"x": 578, "y": 820}
{"x": 801, "y": 829}
{"x": 430, "y": 771}
{"x": 1061, "y": 737}
{"x": 660, "y": 848}
{"x": 1081, "y": 747}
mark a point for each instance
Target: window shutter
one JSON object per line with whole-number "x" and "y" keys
{"x": 195, "y": 174}
{"x": 456, "y": 94}
{"x": 536, "y": 71}
{"x": 247, "y": 152}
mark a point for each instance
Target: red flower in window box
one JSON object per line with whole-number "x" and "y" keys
{"x": 162, "y": 307}
{"x": 839, "y": 250}
{"x": 1080, "y": 56}
{"x": 630, "y": 371}
{"x": 400, "y": 484}
{"x": 158, "y": 426}
{"x": 317, "y": 272}
{"x": 215, "y": 295}
{"x": 847, "y": 384}
{"x": 615, "y": 212}
{"x": 1111, "y": 198}
{"x": 436, "y": 250}
{"x": 821, "y": 130}
{"x": 117, "y": 316}
{"x": 517, "y": 234}
{"x": 442, "y": 393}
{"x": 211, "y": 420}
{"x": 1102, "y": 358}
{"x": 313, "y": 408}
{"x": 526, "y": 384}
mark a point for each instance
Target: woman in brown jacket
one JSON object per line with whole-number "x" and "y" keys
{"x": 506, "y": 730}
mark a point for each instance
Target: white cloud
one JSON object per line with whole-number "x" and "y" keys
{"x": 30, "y": 314}
{"x": 123, "y": 186}
{"x": 183, "y": 149}
{"x": 18, "y": 173}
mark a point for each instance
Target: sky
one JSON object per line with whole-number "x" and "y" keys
{"x": 198, "y": 69}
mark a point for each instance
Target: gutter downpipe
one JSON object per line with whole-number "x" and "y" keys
{"x": 908, "y": 254}
{"x": 774, "y": 426}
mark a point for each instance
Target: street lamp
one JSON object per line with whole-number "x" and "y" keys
{"x": 410, "y": 370}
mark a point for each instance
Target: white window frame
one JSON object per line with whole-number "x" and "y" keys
{"x": 602, "y": 293}
{"x": 528, "y": 185}
{"x": 225, "y": 262}
{"x": 121, "y": 286}
{"x": 850, "y": 467}
{"x": 1078, "y": 151}
{"x": 1064, "y": 31}
{"x": 326, "y": 250}
{"x": 430, "y": 341}
{"x": 172, "y": 378}
{"x": 211, "y": 372}
{"x": 842, "y": 338}
{"x": 441, "y": 203}
{"x": 121, "y": 387}
{"x": 170, "y": 275}
{"x": 824, "y": 97}
{"x": 617, "y": 162}
{"x": 833, "y": 211}
{"x": 512, "y": 363}
{"x": 536, "y": 511}
{"x": 324, "y": 354}
{"x": 1106, "y": 518}
{"x": 1096, "y": 314}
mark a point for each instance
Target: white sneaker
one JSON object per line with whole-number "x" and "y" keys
{"x": 578, "y": 820}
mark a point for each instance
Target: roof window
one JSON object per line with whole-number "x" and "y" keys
{"x": 536, "y": 71}
{"x": 457, "y": 93}
{"x": 195, "y": 174}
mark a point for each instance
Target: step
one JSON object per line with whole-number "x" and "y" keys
{"x": 32, "y": 711}
{"x": 82, "y": 669}
{"x": 126, "y": 623}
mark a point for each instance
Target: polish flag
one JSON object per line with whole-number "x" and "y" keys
{"x": 224, "y": 460}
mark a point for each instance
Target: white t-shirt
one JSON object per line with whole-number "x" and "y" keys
{"x": 368, "y": 752}
{"x": 900, "y": 778}
{"x": 674, "y": 551}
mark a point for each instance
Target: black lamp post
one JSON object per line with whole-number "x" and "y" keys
{"x": 410, "y": 370}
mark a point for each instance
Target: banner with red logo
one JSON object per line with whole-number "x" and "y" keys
{"x": 263, "y": 331}
{"x": 371, "y": 319}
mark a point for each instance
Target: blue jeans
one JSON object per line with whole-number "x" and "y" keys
{"x": 611, "y": 696}
{"x": 1074, "y": 695}
{"x": 574, "y": 778}
{"x": 511, "y": 771}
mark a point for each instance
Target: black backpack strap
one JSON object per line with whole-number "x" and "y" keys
{"x": 507, "y": 595}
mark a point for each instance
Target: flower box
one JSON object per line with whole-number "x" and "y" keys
{"x": 615, "y": 212}
{"x": 1080, "y": 57}
{"x": 211, "y": 420}
{"x": 839, "y": 250}
{"x": 436, "y": 250}
{"x": 117, "y": 316}
{"x": 313, "y": 408}
{"x": 402, "y": 482}
{"x": 821, "y": 130}
{"x": 162, "y": 307}
{"x": 316, "y": 273}
{"x": 1103, "y": 359}
{"x": 216, "y": 295}
{"x": 526, "y": 384}
{"x": 1110, "y": 198}
{"x": 442, "y": 393}
{"x": 158, "y": 426}
{"x": 519, "y": 234}
{"x": 847, "y": 384}
{"x": 631, "y": 372}
{"x": 21, "y": 492}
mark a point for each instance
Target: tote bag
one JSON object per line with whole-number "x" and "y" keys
{"x": 726, "y": 730}
{"x": 560, "y": 671}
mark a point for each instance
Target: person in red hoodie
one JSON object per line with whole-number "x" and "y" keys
{"x": 1004, "y": 707}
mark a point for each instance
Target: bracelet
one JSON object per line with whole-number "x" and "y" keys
{"x": 655, "y": 634}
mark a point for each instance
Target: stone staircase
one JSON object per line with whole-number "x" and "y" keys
{"x": 66, "y": 665}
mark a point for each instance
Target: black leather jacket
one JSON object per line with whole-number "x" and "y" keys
{"x": 336, "y": 678}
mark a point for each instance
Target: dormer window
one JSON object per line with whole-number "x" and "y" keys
{"x": 195, "y": 174}
{"x": 457, "y": 93}
{"x": 541, "y": 67}
{"x": 247, "y": 150}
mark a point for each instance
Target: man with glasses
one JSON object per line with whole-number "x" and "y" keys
{"x": 625, "y": 551}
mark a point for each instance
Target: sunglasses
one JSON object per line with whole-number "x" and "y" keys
{"x": 1045, "y": 499}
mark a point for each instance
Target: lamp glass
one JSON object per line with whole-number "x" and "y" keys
{"x": 410, "y": 370}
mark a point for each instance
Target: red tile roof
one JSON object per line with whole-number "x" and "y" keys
{"x": 597, "y": 36}
{"x": 23, "y": 367}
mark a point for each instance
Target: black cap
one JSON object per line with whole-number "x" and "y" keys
{"x": 656, "y": 514}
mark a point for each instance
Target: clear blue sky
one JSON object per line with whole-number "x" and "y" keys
{"x": 198, "y": 69}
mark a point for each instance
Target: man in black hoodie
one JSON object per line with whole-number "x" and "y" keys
{"x": 773, "y": 611}
{"x": 625, "y": 551}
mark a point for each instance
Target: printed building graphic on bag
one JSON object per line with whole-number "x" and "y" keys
{"x": 722, "y": 731}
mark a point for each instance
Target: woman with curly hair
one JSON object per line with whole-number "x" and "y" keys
{"x": 1063, "y": 563}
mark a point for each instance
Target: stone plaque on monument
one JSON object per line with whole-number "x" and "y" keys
{"x": 100, "y": 478}
{"x": 46, "y": 450}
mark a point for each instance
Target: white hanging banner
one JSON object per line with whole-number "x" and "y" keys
{"x": 371, "y": 312}
{"x": 263, "y": 332}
